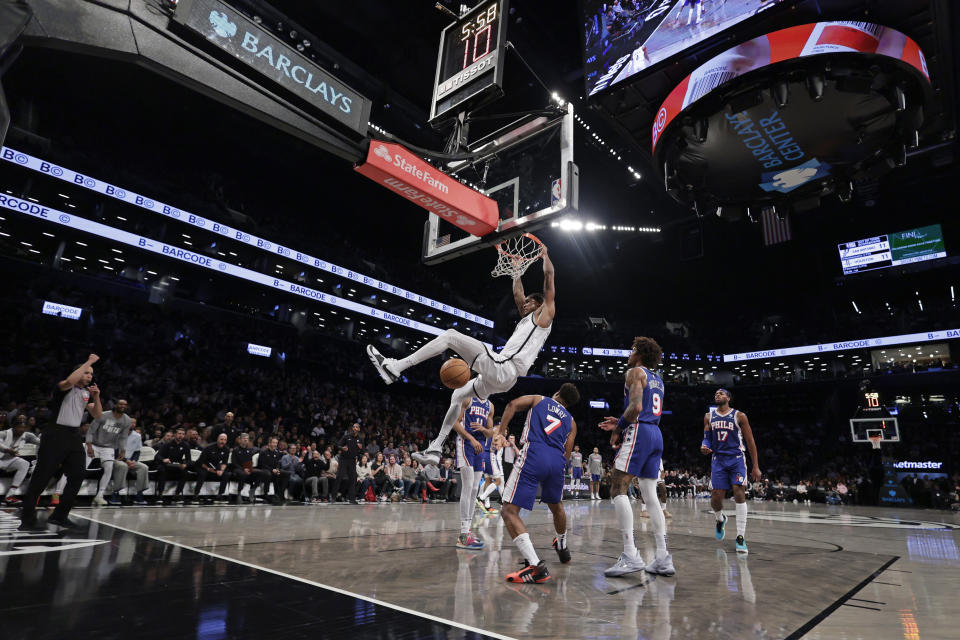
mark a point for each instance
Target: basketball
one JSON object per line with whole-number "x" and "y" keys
{"x": 454, "y": 373}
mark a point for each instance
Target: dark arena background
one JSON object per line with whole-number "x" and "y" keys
{"x": 206, "y": 291}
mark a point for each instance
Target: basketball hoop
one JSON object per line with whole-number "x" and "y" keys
{"x": 516, "y": 254}
{"x": 875, "y": 441}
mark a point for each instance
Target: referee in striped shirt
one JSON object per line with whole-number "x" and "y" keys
{"x": 62, "y": 445}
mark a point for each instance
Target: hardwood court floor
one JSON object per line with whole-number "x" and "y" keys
{"x": 812, "y": 572}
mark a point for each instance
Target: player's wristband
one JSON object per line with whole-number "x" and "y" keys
{"x": 706, "y": 442}
{"x": 622, "y": 423}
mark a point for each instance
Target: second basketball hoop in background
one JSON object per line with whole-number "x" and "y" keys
{"x": 454, "y": 373}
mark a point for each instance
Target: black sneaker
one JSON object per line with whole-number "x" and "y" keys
{"x": 381, "y": 363}
{"x": 63, "y": 523}
{"x": 529, "y": 573}
{"x": 32, "y": 527}
{"x": 563, "y": 553}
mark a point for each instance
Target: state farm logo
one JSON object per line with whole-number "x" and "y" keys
{"x": 382, "y": 152}
{"x": 659, "y": 124}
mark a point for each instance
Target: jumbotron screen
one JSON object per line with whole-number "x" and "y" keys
{"x": 624, "y": 37}
{"x": 892, "y": 249}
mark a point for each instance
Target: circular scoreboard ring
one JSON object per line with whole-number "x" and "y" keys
{"x": 791, "y": 116}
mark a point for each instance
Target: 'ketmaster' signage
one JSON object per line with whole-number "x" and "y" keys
{"x": 246, "y": 41}
{"x": 401, "y": 171}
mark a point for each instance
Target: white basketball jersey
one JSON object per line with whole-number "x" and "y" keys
{"x": 524, "y": 345}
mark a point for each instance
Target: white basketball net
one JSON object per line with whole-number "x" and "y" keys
{"x": 516, "y": 254}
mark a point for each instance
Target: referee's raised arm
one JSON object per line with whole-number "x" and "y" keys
{"x": 75, "y": 378}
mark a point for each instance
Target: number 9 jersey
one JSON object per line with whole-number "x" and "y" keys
{"x": 641, "y": 449}
{"x": 652, "y": 401}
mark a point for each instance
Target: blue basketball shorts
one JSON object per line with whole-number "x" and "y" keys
{"x": 726, "y": 471}
{"x": 467, "y": 457}
{"x": 641, "y": 451}
{"x": 543, "y": 466}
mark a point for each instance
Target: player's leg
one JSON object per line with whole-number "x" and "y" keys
{"x": 520, "y": 493}
{"x": 740, "y": 498}
{"x": 390, "y": 369}
{"x": 650, "y": 441}
{"x": 106, "y": 462}
{"x": 560, "y": 526}
{"x": 662, "y": 496}
{"x": 720, "y": 479}
{"x": 494, "y": 485}
{"x": 466, "y": 462}
{"x": 432, "y": 453}
{"x": 20, "y": 468}
{"x": 630, "y": 560}
{"x": 551, "y": 494}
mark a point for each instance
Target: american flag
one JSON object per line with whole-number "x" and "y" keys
{"x": 775, "y": 230}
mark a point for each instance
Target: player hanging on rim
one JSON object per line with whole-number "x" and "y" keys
{"x": 547, "y": 443}
{"x": 641, "y": 451}
{"x": 724, "y": 432}
{"x": 475, "y": 419}
{"x": 498, "y": 373}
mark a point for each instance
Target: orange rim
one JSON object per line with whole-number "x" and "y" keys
{"x": 499, "y": 246}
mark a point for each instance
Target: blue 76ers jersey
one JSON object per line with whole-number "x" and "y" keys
{"x": 725, "y": 436}
{"x": 476, "y": 415}
{"x": 548, "y": 423}
{"x": 652, "y": 399}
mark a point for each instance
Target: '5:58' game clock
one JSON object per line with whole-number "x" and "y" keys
{"x": 470, "y": 61}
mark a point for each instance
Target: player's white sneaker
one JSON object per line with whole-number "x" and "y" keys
{"x": 99, "y": 501}
{"x": 662, "y": 566}
{"x": 625, "y": 564}
{"x": 383, "y": 365}
{"x": 426, "y": 457}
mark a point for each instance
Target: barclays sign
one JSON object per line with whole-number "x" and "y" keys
{"x": 266, "y": 54}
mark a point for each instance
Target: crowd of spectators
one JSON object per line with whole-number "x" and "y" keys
{"x": 182, "y": 368}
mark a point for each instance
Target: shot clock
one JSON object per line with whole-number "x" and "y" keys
{"x": 470, "y": 61}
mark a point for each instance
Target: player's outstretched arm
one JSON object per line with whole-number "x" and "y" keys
{"x": 751, "y": 445}
{"x": 519, "y": 297}
{"x": 548, "y": 310}
{"x": 705, "y": 445}
{"x": 522, "y": 403}
{"x": 568, "y": 445}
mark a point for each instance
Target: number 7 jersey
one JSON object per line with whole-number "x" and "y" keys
{"x": 652, "y": 401}
{"x": 548, "y": 423}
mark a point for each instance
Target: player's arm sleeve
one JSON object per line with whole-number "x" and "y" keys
{"x": 707, "y": 439}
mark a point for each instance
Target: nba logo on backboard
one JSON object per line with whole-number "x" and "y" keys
{"x": 555, "y": 193}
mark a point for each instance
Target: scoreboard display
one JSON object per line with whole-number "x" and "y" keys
{"x": 892, "y": 249}
{"x": 470, "y": 61}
